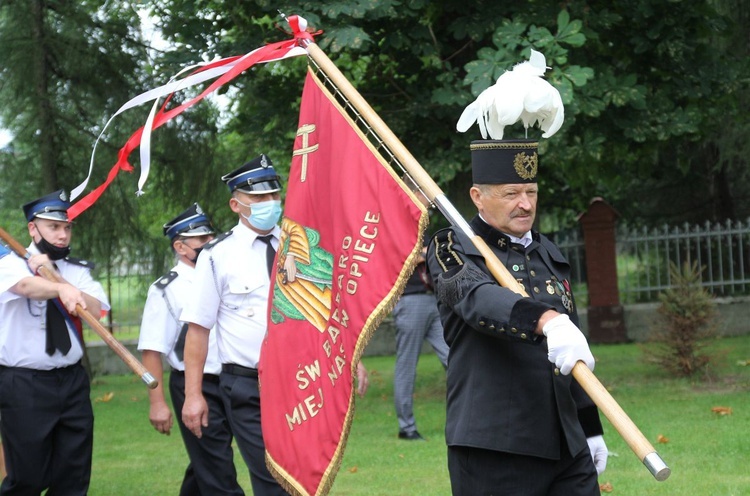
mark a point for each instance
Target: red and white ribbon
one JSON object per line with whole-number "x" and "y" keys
{"x": 225, "y": 70}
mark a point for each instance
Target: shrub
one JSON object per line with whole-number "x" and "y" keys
{"x": 685, "y": 325}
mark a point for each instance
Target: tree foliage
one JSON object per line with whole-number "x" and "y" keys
{"x": 654, "y": 91}
{"x": 53, "y": 74}
{"x": 66, "y": 67}
{"x": 655, "y": 96}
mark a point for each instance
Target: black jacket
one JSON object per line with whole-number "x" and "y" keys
{"x": 502, "y": 392}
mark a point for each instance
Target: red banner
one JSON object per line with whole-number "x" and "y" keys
{"x": 350, "y": 232}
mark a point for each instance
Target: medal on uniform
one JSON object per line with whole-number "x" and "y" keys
{"x": 568, "y": 295}
{"x": 567, "y": 303}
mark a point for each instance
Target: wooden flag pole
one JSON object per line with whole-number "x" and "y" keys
{"x": 606, "y": 403}
{"x": 121, "y": 351}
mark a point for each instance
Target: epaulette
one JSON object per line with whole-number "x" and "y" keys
{"x": 166, "y": 279}
{"x": 82, "y": 263}
{"x": 457, "y": 274}
{"x": 444, "y": 242}
{"x": 218, "y": 239}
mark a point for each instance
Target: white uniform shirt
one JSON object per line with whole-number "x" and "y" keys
{"x": 161, "y": 324}
{"x": 230, "y": 292}
{"x": 23, "y": 331}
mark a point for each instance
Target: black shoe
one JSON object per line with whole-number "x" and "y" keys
{"x": 410, "y": 436}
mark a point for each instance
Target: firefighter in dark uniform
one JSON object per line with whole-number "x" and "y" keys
{"x": 516, "y": 423}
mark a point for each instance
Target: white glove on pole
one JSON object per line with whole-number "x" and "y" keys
{"x": 599, "y": 452}
{"x": 566, "y": 344}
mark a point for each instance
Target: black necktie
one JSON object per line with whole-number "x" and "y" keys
{"x": 270, "y": 251}
{"x": 179, "y": 346}
{"x": 58, "y": 337}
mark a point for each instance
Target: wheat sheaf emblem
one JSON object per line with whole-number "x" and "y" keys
{"x": 526, "y": 165}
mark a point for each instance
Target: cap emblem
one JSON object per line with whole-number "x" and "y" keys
{"x": 526, "y": 165}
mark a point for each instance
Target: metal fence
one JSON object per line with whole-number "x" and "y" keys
{"x": 126, "y": 287}
{"x": 643, "y": 258}
{"x": 572, "y": 247}
{"x": 721, "y": 250}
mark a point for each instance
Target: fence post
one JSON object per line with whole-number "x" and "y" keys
{"x": 606, "y": 320}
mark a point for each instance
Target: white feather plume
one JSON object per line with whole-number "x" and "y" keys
{"x": 520, "y": 94}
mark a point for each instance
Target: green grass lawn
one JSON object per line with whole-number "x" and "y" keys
{"x": 708, "y": 453}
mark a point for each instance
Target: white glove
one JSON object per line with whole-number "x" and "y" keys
{"x": 598, "y": 453}
{"x": 566, "y": 344}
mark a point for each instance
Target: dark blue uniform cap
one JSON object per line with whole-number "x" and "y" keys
{"x": 255, "y": 177}
{"x": 53, "y": 206}
{"x": 504, "y": 161}
{"x": 191, "y": 222}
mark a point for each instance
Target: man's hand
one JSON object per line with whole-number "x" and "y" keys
{"x": 161, "y": 417}
{"x": 362, "y": 380}
{"x": 599, "y": 452}
{"x": 195, "y": 414}
{"x": 71, "y": 297}
{"x": 566, "y": 344}
{"x": 36, "y": 261}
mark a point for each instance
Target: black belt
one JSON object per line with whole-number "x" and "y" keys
{"x": 234, "y": 369}
{"x": 206, "y": 377}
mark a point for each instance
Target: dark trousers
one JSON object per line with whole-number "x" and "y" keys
{"x": 211, "y": 470}
{"x": 480, "y": 472}
{"x": 47, "y": 427}
{"x": 242, "y": 402}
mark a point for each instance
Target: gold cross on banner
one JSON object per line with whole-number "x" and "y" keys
{"x": 305, "y": 130}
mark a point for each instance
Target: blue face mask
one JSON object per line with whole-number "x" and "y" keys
{"x": 263, "y": 215}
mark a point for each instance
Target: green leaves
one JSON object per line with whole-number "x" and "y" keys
{"x": 348, "y": 37}
{"x": 569, "y": 32}
{"x": 508, "y": 34}
{"x": 578, "y": 75}
{"x": 660, "y": 108}
{"x": 481, "y": 73}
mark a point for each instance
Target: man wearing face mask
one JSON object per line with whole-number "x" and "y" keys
{"x": 47, "y": 422}
{"x": 211, "y": 468}
{"x": 230, "y": 294}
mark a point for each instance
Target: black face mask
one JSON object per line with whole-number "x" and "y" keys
{"x": 52, "y": 251}
{"x": 197, "y": 251}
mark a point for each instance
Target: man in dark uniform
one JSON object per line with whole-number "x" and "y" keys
{"x": 211, "y": 469}
{"x": 46, "y": 419}
{"x": 516, "y": 423}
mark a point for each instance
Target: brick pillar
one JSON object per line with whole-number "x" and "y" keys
{"x": 605, "y": 314}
